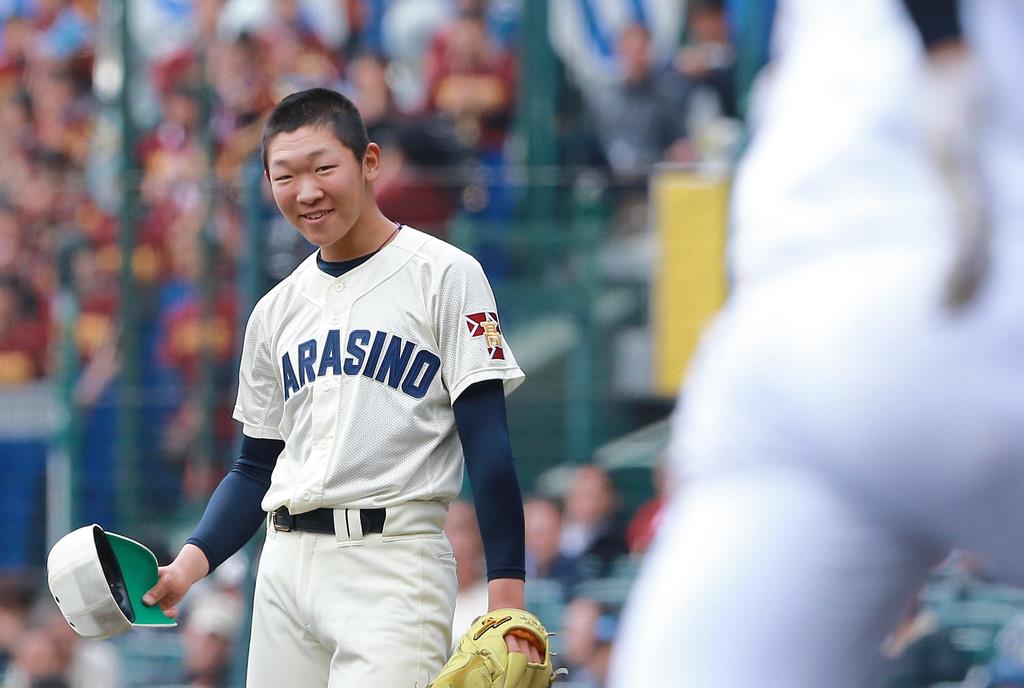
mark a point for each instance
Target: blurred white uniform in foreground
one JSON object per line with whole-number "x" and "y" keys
{"x": 841, "y": 430}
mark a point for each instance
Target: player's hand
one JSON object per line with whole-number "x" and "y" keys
{"x": 951, "y": 106}
{"x": 504, "y": 647}
{"x": 524, "y": 643}
{"x": 176, "y": 578}
{"x": 508, "y": 593}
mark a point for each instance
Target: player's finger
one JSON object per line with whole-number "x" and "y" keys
{"x": 171, "y": 612}
{"x": 156, "y": 593}
{"x": 522, "y": 646}
{"x": 513, "y": 644}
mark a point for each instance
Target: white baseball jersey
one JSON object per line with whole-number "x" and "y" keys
{"x": 357, "y": 374}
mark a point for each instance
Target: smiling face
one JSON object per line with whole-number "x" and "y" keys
{"x": 323, "y": 190}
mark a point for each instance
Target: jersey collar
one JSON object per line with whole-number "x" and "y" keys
{"x": 314, "y": 283}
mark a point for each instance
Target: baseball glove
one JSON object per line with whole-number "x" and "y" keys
{"x": 482, "y": 659}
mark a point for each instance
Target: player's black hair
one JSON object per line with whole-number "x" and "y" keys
{"x": 317, "y": 107}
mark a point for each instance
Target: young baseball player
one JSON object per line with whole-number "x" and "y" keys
{"x": 368, "y": 376}
{"x": 857, "y": 410}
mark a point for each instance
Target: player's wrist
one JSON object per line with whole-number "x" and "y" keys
{"x": 192, "y": 562}
{"x": 504, "y": 593}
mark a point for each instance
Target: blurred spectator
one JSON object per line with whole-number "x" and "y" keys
{"x": 578, "y": 638}
{"x": 544, "y": 558}
{"x": 419, "y": 185}
{"x": 707, "y": 57}
{"x": 35, "y": 658}
{"x": 367, "y": 86}
{"x": 244, "y": 93}
{"x": 23, "y": 334}
{"x": 68, "y": 26}
{"x": 471, "y": 80}
{"x": 50, "y": 649}
{"x": 416, "y": 185}
{"x": 503, "y": 18}
{"x": 16, "y": 595}
{"x": 639, "y": 120}
{"x": 406, "y": 29}
{"x": 595, "y": 674}
{"x": 361, "y": 20}
{"x": 645, "y": 521}
{"x": 324, "y": 22}
{"x": 208, "y": 634}
{"x": 95, "y": 332}
{"x": 589, "y": 530}
{"x": 87, "y": 663}
{"x": 296, "y": 59}
{"x": 467, "y": 546}
{"x": 583, "y": 34}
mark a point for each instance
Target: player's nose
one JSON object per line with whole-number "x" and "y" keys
{"x": 309, "y": 191}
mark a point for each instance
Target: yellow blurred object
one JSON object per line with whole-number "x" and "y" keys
{"x": 689, "y": 211}
{"x": 15, "y": 367}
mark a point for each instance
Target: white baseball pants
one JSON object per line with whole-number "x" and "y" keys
{"x": 343, "y": 611}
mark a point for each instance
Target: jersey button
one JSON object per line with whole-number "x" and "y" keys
{"x": 307, "y": 496}
{"x": 339, "y": 287}
{"x": 323, "y": 444}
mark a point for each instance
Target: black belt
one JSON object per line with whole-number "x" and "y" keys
{"x": 322, "y": 520}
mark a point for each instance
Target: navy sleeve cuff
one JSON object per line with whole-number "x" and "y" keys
{"x": 495, "y": 574}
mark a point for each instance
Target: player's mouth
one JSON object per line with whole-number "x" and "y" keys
{"x": 316, "y": 217}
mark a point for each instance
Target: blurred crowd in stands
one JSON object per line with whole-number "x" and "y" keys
{"x": 436, "y": 80}
{"x": 439, "y": 85}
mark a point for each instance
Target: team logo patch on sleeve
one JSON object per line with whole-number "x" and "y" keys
{"x": 486, "y": 325}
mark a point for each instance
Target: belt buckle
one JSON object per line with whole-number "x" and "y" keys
{"x": 278, "y": 526}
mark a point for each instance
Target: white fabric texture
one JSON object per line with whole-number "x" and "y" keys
{"x": 357, "y": 374}
{"x": 362, "y": 611}
{"x": 839, "y": 430}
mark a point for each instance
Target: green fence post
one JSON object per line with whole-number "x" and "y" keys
{"x": 63, "y": 477}
{"x": 252, "y": 279}
{"x": 128, "y": 450}
{"x": 207, "y": 289}
{"x": 536, "y": 117}
{"x": 581, "y": 387}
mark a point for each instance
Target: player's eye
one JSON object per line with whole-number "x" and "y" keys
{"x": 325, "y": 168}
{"x": 282, "y": 178}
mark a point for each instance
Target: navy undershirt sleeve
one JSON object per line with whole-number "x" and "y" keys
{"x": 483, "y": 430}
{"x": 234, "y": 513}
{"x": 937, "y": 21}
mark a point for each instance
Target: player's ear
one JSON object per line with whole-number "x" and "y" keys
{"x": 371, "y": 162}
